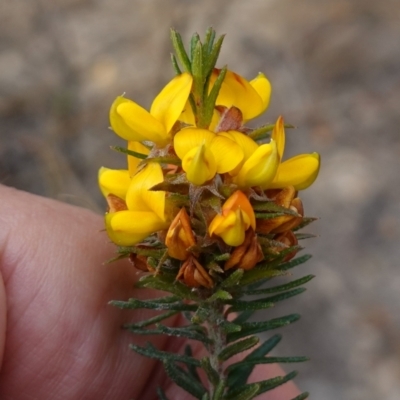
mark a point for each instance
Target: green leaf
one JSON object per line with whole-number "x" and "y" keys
{"x": 269, "y": 215}
{"x": 251, "y": 328}
{"x": 238, "y": 377}
{"x": 151, "y": 352}
{"x": 208, "y": 41}
{"x": 163, "y": 160}
{"x": 219, "y": 390}
{"x": 233, "y": 279}
{"x": 193, "y": 43}
{"x": 150, "y": 321}
{"x": 295, "y": 262}
{"x": 180, "y": 50}
{"x": 238, "y": 347}
{"x": 303, "y": 236}
{"x": 211, "y": 373}
{"x": 133, "y": 304}
{"x": 129, "y": 152}
{"x": 270, "y": 384}
{"x": 197, "y": 72}
{"x": 167, "y": 283}
{"x": 200, "y": 316}
{"x": 183, "y": 380}
{"x": 257, "y": 274}
{"x": 302, "y": 396}
{"x": 188, "y": 332}
{"x": 212, "y": 97}
{"x": 212, "y": 59}
{"x": 265, "y": 360}
{"x": 243, "y": 316}
{"x": 228, "y": 327}
{"x": 240, "y": 305}
{"x": 245, "y": 392}
{"x": 306, "y": 221}
{"x": 219, "y": 295}
{"x": 260, "y": 304}
{"x": 192, "y": 370}
{"x": 263, "y": 131}
{"x": 280, "y": 288}
{"x": 175, "y": 64}
{"x": 270, "y": 206}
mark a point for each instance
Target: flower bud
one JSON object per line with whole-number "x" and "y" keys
{"x": 180, "y": 236}
{"x": 140, "y": 262}
{"x": 285, "y": 198}
{"x": 247, "y": 255}
{"x": 288, "y": 239}
{"x": 237, "y": 216}
{"x": 193, "y": 274}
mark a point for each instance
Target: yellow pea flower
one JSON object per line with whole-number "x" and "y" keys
{"x": 204, "y": 153}
{"x": 114, "y": 181}
{"x": 250, "y": 97}
{"x": 299, "y": 171}
{"x": 133, "y": 123}
{"x": 145, "y": 209}
{"x": 237, "y": 216}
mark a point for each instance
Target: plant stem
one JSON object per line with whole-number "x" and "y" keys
{"x": 218, "y": 337}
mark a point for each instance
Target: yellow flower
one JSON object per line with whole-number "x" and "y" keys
{"x": 114, "y": 181}
{"x": 299, "y": 171}
{"x": 237, "y": 216}
{"x": 134, "y": 123}
{"x": 145, "y": 209}
{"x": 251, "y": 98}
{"x": 204, "y": 153}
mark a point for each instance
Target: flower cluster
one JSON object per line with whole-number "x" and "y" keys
{"x": 197, "y": 189}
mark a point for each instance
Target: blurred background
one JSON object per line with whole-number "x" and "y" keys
{"x": 335, "y": 70}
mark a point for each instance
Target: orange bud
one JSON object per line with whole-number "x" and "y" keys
{"x": 180, "y": 236}
{"x": 247, "y": 255}
{"x": 288, "y": 239}
{"x": 115, "y": 203}
{"x": 193, "y": 274}
{"x": 140, "y": 262}
{"x": 285, "y": 198}
{"x": 237, "y": 216}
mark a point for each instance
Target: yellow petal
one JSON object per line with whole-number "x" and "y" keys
{"x": 227, "y": 154}
{"x": 114, "y": 181}
{"x": 189, "y": 138}
{"x": 140, "y": 198}
{"x": 133, "y": 122}
{"x": 299, "y": 171}
{"x": 260, "y": 169}
{"x": 248, "y": 145}
{"x": 199, "y": 165}
{"x": 278, "y": 134}
{"x": 187, "y": 115}
{"x": 170, "y": 102}
{"x": 133, "y": 162}
{"x": 237, "y": 91}
{"x": 263, "y": 87}
{"x": 127, "y": 228}
{"x": 231, "y": 228}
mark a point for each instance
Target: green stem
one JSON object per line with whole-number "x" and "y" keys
{"x": 218, "y": 342}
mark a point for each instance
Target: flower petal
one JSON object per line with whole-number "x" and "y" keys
{"x": 133, "y": 122}
{"x": 299, "y": 171}
{"x": 133, "y": 162}
{"x": 278, "y": 134}
{"x": 227, "y": 154}
{"x": 127, "y": 228}
{"x": 263, "y": 87}
{"x": 199, "y": 165}
{"x": 170, "y": 102}
{"x": 190, "y": 138}
{"x": 260, "y": 169}
{"x": 237, "y": 91}
{"x": 140, "y": 198}
{"x": 230, "y": 227}
{"x": 114, "y": 181}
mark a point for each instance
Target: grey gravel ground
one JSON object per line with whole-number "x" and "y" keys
{"x": 335, "y": 70}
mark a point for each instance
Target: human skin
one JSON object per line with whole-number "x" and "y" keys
{"x": 58, "y": 336}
